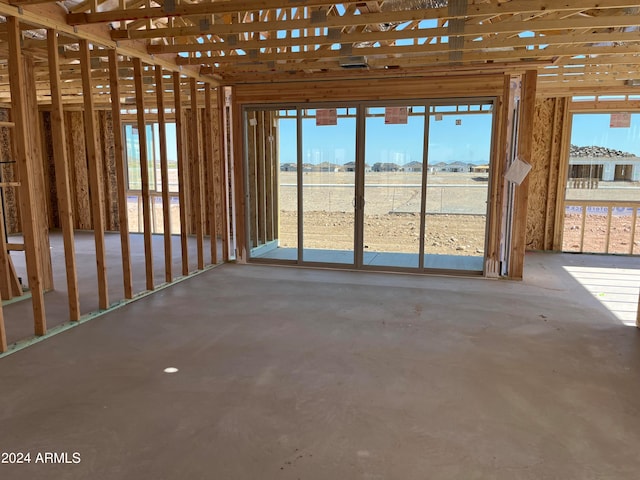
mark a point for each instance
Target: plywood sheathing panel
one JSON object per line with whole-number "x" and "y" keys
{"x": 540, "y": 170}
{"x": 547, "y": 139}
{"x": 207, "y": 194}
{"x": 191, "y": 181}
{"x": 217, "y": 162}
{"x": 7, "y": 172}
{"x": 79, "y": 173}
{"x": 74, "y": 125}
{"x": 110, "y": 185}
{"x": 49, "y": 167}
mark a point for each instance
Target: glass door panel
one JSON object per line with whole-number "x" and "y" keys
{"x": 458, "y": 186}
{"x": 394, "y": 153}
{"x": 273, "y": 183}
{"x": 603, "y": 184}
{"x": 328, "y": 185}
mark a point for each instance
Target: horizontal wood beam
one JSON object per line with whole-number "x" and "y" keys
{"x": 30, "y": 2}
{"x": 42, "y": 16}
{"x": 415, "y": 33}
{"x": 515, "y": 7}
{"x": 418, "y": 52}
{"x": 469, "y": 44}
{"x": 205, "y": 8}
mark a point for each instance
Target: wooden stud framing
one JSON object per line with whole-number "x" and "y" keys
{"x": 235, "y": 174}
{"x": 561, "y": 187}
{"x": 525, "y": 141}
{"x": 225, "y": 135}
{"x": 41, "y": 217}
{"x": 144, "y": 172}
{"x": 65, "y": 210}
{"x": 164, "y": 172}
{"x": 261, "y": 178}
{"x": 182, "y": 174}
{"x": 272, "y": 186}
{"x": 211, "y": 165}
{"x": 251, "y": 126}
{"x": 121, "y": 178}
{"x": 197, "y": 174}
{"x": 558, "y": 105}
{"x": 25, "y": 169}
{"x": 583, "y": 211}
{"x": 499, "y": 154}
{"x": 608, "y": 235}
{"x": 95, "y": 182}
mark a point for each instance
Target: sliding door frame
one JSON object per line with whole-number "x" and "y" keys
{"x": 359, "y": 199}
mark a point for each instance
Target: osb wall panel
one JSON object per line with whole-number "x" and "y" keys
{"x": 213, "y": 198}
{"x": 218, "y": 158}
{"x": 110, "y": 187}
{"x": 206, "y": 192}
{"x": 49, "y": 167}
{"x": 9, "y": 195}
{"x": 190, "y": 177}
{"x": 78, "y": 171}
{"x": 543, "y": 178}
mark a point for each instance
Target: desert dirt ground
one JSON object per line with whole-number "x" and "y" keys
{"x": 621, "y": 239}
{"x": 455, "y": 219}
{"x": 595, "y": 234}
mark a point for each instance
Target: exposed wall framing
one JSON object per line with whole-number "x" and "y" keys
{"x": 546, "y": 162}
{"x": 74, "y": 174}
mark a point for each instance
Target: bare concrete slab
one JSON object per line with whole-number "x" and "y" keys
{"x": 307, "y": 374}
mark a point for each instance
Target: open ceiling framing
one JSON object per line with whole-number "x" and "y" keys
{"x": 575, "y": 45}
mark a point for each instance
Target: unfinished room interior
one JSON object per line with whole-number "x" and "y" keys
{"x": 295, "y": 239}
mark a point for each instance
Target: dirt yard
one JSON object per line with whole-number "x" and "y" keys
{"x": 455, "y": 221}
{"x": 446, "y": 234}
{"x": 595, "y": 234}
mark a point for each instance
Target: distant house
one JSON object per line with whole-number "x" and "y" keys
{"x": 602, "y": 163}
{"x": 437, "y": 167}
{"x": 386, "y": 167}
{"x": 288, "y": 167}
{"x": 480, "y": 168}
{"x": 351, "y": 167}
{"x": 326, "y": 167}
{"x": 413, "y": 167}
{"x": 458, "y": 167}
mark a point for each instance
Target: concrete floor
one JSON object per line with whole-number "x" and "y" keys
{"x": 290, "y": 373}
{"x": 19, "y": 316}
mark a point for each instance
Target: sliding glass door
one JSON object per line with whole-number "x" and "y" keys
{"x": 458, "y": 186}
{"x": 393, "y": 174}
{"x": 400, "y": 186}
{"x": 328, "y": 185}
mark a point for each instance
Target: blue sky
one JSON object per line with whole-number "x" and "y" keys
{"x": 448, "y": 142}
